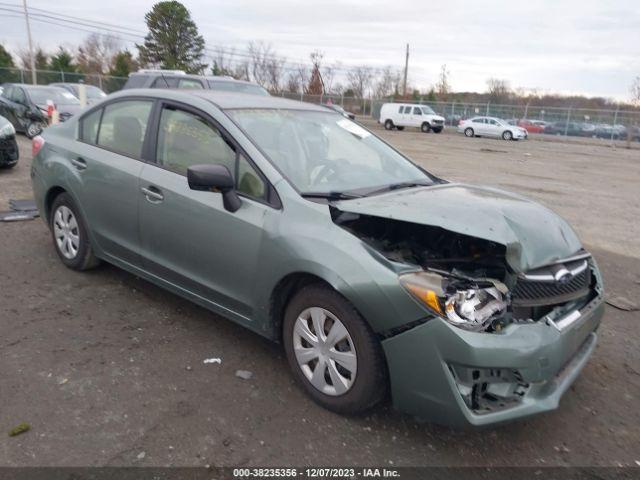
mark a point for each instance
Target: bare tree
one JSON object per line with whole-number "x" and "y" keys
{"x": 635, "y": 91}
{"x": 359, "y": 81}
{"x": 97, "y": 53}
{"x": 328, "y": 76}
{"x": 265, "y": 67}
{"x": 443, "y": 88}
{"x": 316, "y": 84}
{"x": 386, "y": 83}
{"x": 498, "y": 89}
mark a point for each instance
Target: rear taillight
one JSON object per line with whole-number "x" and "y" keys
{"x": 36, "y": 145}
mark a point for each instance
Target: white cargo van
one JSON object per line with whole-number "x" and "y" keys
{"x": 400, "y": 115}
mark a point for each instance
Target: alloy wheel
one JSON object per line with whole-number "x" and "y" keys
{"x": 66, "y": 232}
{"x": 325, "y": 351}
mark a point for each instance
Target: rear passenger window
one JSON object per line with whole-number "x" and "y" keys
{"x": 478, "y": 120}
{"x": 89, "y": 127}
{"x": 165, "y": 82}
{"x": 407, "y": 109}
{"x": 123, "y": 127}
{"x": 401, "y": 109}
{"x": 185, "y": 139}
{"x": 190, "y": 83}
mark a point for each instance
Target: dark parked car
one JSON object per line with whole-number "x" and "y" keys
{"x": 341, "y": 111}
{"x": 181, "y": 80}
{"x": 468, "y": 304}
{"x": 560, "y": 128}
{"x": 8, "y": 146}
{"x": 25, "y": 106}
{"x": 94, "y": 94}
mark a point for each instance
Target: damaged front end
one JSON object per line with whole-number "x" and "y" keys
{"x": 468, "y": 281}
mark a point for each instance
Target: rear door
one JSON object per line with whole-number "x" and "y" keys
{"x": 188, "y": 238}
{"x": 109, "y": 159}
{"x": 16, "y": 107}
{"x": 479, "y": 126}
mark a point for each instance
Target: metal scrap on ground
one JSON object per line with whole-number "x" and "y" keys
{"x": 20, "y": 210}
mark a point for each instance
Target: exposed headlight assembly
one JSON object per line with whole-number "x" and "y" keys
{"x": 466, "y": 303}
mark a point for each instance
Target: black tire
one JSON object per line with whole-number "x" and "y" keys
{"x": 84, "y": 258}
{"x": 425, "y": 127}
{"x": 388, "y": 125}
{"x": 437, "y": 130}
{"x": 33, "y": 129}
{"x": 370, "y": 385}
{"x": 468, "y": 132}
{"x": 400, "y": 128}
{"x": 7, "y": 166}
{"x": 507, "y": 135}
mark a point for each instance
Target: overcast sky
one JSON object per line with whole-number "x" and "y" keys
{"x": 567, "y": 46}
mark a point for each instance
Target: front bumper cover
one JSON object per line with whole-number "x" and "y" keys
{"x": 548, "y": 360}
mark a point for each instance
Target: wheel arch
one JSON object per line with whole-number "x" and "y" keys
{"x": 50, "y": 197}
{"x": 282, "y": 294}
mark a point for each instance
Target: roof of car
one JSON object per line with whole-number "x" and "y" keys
{"x": 226, "y": 100}
{"x": 28, "y": 86}
{"x": 216, "y": 78}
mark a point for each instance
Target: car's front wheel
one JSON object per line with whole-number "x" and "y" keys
{"x": 70, "y": 234}
{"x": 507, "y": 135}
{"x": 34, "y": 129}
{"x": 425, "y": 127}
{"x": 332, "y": 351}
{"x": 468, "y": 132}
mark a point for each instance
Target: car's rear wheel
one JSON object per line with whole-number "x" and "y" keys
{"x": 388, "y": 125}
{"x": 507, "y": 135}
{"x": 34, "y": 129}
{"x": 70, "y": 234}
{"x": 425, "y": 127}
{"x": 468, "y": 132}
{"x": 332, "y": 351}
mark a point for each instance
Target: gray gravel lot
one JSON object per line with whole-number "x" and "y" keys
{"x": 108, "y": 369}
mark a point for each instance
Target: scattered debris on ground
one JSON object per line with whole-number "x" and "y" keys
{"x": 622, "y": 303}
{"x": 22, "y": 428}
{"x": 213, "y": 360}
{"x": 244, "y": 374}
{"x": 20, "y": 210}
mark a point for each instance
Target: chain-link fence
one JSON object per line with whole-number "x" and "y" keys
{"x": 610, "y": 124}
{"x": 106, "y": 83}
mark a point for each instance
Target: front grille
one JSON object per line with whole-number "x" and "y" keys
{"x": 438, "y": 122}
{"x": 535, "y": 293}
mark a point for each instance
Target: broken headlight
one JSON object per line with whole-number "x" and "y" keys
{"x": 466, "y": 303}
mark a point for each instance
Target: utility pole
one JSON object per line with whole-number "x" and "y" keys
{"x": 406, "y": 69}
{"x": 34, "y": 80}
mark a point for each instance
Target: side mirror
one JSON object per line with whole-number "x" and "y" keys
{"x": 215, "y": 178}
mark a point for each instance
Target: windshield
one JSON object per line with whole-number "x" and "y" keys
{"x": 94, "y": 92}
{"x": 323, "y": 152}
{"x": 239, "y": 87}
{"x": 40, "y": 95}
{"x": 428, "y": 111}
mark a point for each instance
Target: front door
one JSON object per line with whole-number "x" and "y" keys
{"x": 188, "y": 238}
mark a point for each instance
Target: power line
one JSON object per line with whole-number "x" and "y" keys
{"x": 75, "y": 23}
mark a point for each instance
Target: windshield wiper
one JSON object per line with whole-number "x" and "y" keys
{"x": 330, "y": 195}
{"x": 398, "y": 186}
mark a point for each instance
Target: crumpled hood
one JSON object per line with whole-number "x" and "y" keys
{"x": 532, "y": 234}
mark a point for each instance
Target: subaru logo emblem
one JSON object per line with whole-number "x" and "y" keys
{"x": 562, "y": 275}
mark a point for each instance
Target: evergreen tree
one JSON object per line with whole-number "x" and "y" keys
{"x": 173, "y": 41}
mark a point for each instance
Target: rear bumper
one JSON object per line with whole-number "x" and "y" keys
{"x": 425, "y": 363}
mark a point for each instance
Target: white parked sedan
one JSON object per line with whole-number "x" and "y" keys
{"x": 491, "y": 127}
